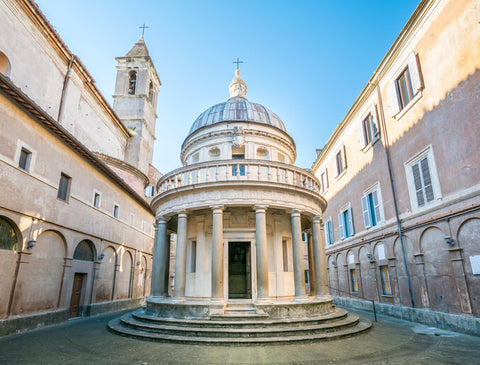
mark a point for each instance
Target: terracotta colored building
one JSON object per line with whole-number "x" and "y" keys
{"x": 76, "y": 232}
{"x": 401, "y": 178}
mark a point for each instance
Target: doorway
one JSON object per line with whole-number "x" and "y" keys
{"x": 76, "y": 295}
{"x": 239, "y": 270}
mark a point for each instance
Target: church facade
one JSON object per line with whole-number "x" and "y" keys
{"x": 76, "y": 234}
{"x": 400, "y": 175}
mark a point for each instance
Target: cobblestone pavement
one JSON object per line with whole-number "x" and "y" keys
{"x": 390, "y": 341}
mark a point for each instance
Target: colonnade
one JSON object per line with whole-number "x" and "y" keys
{"x": 317, "y": 258}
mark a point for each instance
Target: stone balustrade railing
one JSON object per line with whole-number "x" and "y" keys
{"x": 238, "y": 170}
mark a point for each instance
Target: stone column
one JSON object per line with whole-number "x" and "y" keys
{"x": 321, "y": 271}
{"x": 158, "y": 261}
{"x": 261, "y": 251}
{"x": 181, "y": 257}
{"x": 311, "y": 266}
{"x": 298, "y": 265}
{"x": 217, "y": 253}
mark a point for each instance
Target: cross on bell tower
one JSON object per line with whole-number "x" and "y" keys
{"x": 143, "y": 27}
{"x": 238, "y": 63}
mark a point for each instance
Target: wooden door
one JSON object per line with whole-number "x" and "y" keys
{"x": 76, "y": 295}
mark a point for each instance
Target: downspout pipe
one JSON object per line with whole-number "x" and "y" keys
{"x": 392, "y": 185}
{"x": 64, "y": 88}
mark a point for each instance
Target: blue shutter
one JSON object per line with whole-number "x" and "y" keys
{"x": 418, "y": 185}
{"x": 366, "y": 212}
{"x": 350, "y": 222}
{"x": 376, "y": 205}
{"x": 341, "y": 226}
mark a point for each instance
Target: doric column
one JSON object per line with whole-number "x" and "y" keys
{"x": 159, "y": 268}
{"x": 217, "y": 253}
{"x": 298, "y": 265}
{"x": 311, "y": 266}
{"x": 181, "y": 257}
{"x": 261, "y": 251}
{"x": 321, "y": 271}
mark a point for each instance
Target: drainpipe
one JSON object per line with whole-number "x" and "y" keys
{"x": 60, "y": 107}
{"x": 392, "y": 185}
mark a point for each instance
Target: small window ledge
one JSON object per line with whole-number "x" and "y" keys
{"x": 409, "y": 106}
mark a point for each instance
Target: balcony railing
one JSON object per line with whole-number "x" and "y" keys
{"x": 238, "y": 170}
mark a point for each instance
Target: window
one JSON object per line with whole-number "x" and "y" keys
{"x": 307, "y": 277}
{"x": 345, "y": 222}
{"x": 353, "y": 280}
{"x": 287, "y": 267}
{"x": 371, "y": 209}
{"x": 25, "y": 157}
{"x": 214, "y": 153}
{"x": 385, "y": 280}
{"x": 328, "y": 231}
{"x": 370, "y": 131}
{"x": 324, "y": 181}
{"x": 132, "y": 82}
{"x": 405, "y": 86}
{"x": 239, "y": 168}
{"x": 150, "y": 92}
{"x": 96, "y": 200}
{"x": 64, "y": 187}
{"x": 150, "y": 191}
{"x": 192, "y": 256}
{"x": 422, "y": 179}
{"x": 116, "y": 208}
{"x": 304, "y": 237}
{"x": 340, "y": 161}
{"x": 8, "y": 237}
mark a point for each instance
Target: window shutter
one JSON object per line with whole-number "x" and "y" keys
{"x": 415, "y": 75}
{"x": 330, "y": 231}
{"x": 341, "y": 227}
{"x": 427, "y": 181}
{"x": 335, "y": 166}
{"x": 361, "y": 134}
{"x": 325, "y": 232}
{"x": 392, "y": 95}
{"x": 326, "y": 177}
{"x": 418, "y": 185}
{"x": 376, "y": 205}
{"x": 344, "y": 159}
{"x": 350, "y": 221}
{"x": 373, "y": 111}
{"x": 366, "y": 213}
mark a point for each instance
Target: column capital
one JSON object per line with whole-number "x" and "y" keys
{"x": 317, "y": 219}
{"x": 295, "y": 212}
{"x": 182, "y": 213}
{"x": 159, "y": 220}
{"x": 259, "y": 208}
{"x": 217, "y": 208}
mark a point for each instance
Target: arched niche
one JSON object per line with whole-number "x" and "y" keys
{"x": 5, "y": 67}
{"x": 85, "y": 251}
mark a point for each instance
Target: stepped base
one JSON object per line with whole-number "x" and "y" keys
{"x": 240, "y": 325}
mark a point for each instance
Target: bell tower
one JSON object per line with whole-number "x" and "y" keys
{"x": 135, "y": 102}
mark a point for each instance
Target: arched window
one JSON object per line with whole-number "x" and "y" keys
{"x": 150, "y": 92}
{"x": 8, "y": 237}
{"x": 84, "y": 251}
{"x": 4, "y": 65}
{"x": 132, "y": 82}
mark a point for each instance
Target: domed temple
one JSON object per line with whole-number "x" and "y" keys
{"x": 239, "y": 207}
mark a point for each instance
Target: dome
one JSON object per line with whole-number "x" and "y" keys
{"x": 237, "y": 109}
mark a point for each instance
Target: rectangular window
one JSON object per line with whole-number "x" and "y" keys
{"x": 64, "y": 187}
{"x": 353, "y": 280}
{"x": 423, "y": 182}
{"x": 370, "y": 131}
{"x": 324, "y": 181}
{"x": 404, "y": 87}
{"x": 307, "y": 277}
{"x": 328, "y": 232}
{"x": 345, "y": 222}
{"x": 25, "y": 157}
{"x": 287, "y": 267}
{"x": 385, "y": 280}
{"x": 192, "y": 257}
{"x": 340, "y": 161}
{"x": 371, "y": 209}
{"x": 96, "y": 200}
{"x": 116, "y": 208}
{"x": 238, "y": 169}
{"x": 150, "y": 191}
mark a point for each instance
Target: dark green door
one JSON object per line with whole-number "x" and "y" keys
{"x": 239, "y": 270}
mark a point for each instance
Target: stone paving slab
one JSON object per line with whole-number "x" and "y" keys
{"x": 390, "y": 341}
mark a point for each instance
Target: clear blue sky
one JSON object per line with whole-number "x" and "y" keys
{"x": 307, "y": 61}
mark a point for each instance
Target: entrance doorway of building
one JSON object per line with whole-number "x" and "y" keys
{"x": 76, "y": 295}
{"x": 239, "y": 268}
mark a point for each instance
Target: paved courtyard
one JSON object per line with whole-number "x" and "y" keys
{"x": 390, "y": 341}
